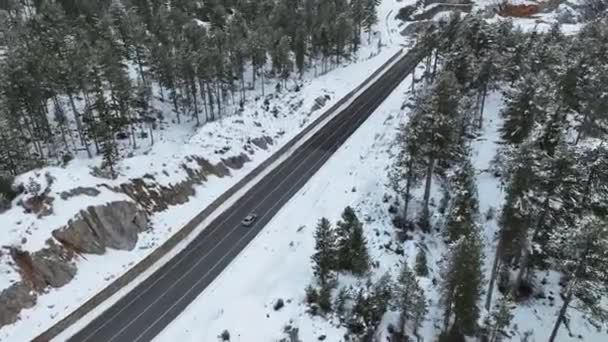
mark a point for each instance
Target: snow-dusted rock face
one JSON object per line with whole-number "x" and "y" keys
{"x": 115, "y": 225}
{"x": 13, "y": 299}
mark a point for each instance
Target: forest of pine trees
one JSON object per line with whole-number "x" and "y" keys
{"x": 552, "y": 164}
{"x": 78, "y": 77}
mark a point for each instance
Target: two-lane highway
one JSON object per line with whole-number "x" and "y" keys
{"x": 153, "y": 304}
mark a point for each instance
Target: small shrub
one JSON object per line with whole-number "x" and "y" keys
{"x": 490, "y": 214}
{"x": 421, "y": 267}
{"x": 225, "y": 336}
{"x": 324, "y": 299}
{"x": 279, "y": 305}
{"x": 66, "y": 158}
{"x": 312, "y": 296}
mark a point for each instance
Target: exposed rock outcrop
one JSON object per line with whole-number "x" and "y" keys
{"x": 115, "y": 225}
{"x": 153, "y": 197}
{"x": 50, "y": 266}
{"x": 92, "y": 192}
{"x": 262, "y": 142}
{"x": 14, "y": 299}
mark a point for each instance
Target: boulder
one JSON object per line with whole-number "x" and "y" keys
{"x": 114, "y": 225}
{"x": 53, "y": 265}
{"x": 262, "y": 142}
{"x": 236, "y": 162}
{"x": 13, "y": 299}
{"x": 79, "y": 236}
{"x": 92, "y": 192}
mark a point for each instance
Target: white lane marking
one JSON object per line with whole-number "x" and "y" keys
{"x": 239, "y": 241}
{"x": 278, "y": 162}
{"x": 189, "y": 270}
{"x": 323, "y": 159}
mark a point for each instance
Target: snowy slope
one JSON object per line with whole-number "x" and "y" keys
{"x": 277, "y": 263}
{"x": 163, "y": 160}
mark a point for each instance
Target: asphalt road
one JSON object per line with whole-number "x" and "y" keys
{"x": 152, "y": 305}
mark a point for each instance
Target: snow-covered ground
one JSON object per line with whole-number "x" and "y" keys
{"x": 289, "y": 113}
{"x": 276, "y": 264}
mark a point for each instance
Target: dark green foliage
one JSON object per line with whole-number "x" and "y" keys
{"x": 421, "y": 266}
{"x": 65, "y": 66}
{"x": 370, "y": 305}
{"x": 324, "y": 259}
{"x": 462, "y": 284}
{"x": 351, "y": 244}
{"x": 498, "y": 321}
{"x": 324, "y": 300}
{"x": 464, "y": 207}
{"x": 312, "y": 296}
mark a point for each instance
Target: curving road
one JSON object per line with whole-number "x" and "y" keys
{"x": 153, "y": 304}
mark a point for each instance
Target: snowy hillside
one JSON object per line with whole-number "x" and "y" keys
{"x": 249, "y": 136}
{"x": 262, "y": 296}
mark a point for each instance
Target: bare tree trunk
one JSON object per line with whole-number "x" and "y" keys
{"x": 210, "y": 96}
{"x": 580, "y": 134}
{"x": 175, "y": 105}
{"x": 201, "y": 86}
{"x": 262, "y": 80}
{"x": 83, "y": 138}
{"x": 493, "y": 274}
{"x": 561, "y": 315}
{"x": 408, "y": 188}
{"x": 435, "y": 60}
{"x": 194, "y": 101}
{"x": 427, "y": 186}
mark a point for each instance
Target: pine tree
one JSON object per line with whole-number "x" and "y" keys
{"x": 500, "y": 319}
{"x": 370, "y": 16}
{"x": 433, "y": 122}
{"x": 408, "y": 170}
{"x": 324, "y": 300}
{"x": 405, "y": 288}
{"x": 421, "y": 267}
{"x": 370, "y": 305}
{"x": 521, "y": 112}
{"x": 351, "y": 244}
{"x": 583, "y": 259}
{"x": 324, "y": 259}
{"x": 419, "y": 310}
{"x": 462, "y": 284}
{"x": 464, "y": 207}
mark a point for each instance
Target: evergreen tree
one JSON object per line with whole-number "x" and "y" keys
{"x": 351, "y": 244}
{"x": 500, "y": 319}
{"x": 324, "y": 259}
{"x": 521, "y": 112}
{"x": 433, "y": 123}
{"x": 370, "y": 16}
{"x": 462, "y": 284}
{"x": 421, "y": 267}
{"x": 408, "y": 170}
{"x": 464, "y": 208}
{"x": 410, "y": 300}
{"x": 583, "y": 257}
{"x": 370, "y": 305}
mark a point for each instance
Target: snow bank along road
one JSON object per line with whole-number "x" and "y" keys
{"x": 153, "y": 304}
